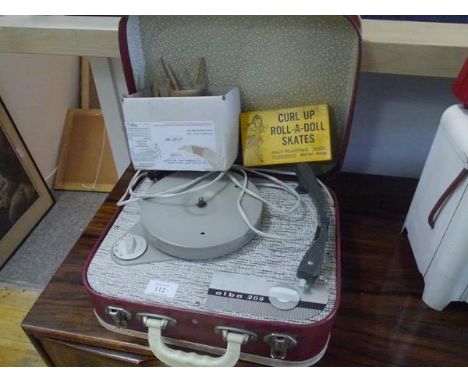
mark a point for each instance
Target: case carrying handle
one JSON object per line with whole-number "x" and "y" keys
{"x": 431, "y": 219}
{"x": 172, "y": 357}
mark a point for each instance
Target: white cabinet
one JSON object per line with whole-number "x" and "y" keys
{"x": 437, "y": 221}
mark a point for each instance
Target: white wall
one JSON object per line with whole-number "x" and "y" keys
{"x": 38, "y": 90}
{"x": 395, "y": 121}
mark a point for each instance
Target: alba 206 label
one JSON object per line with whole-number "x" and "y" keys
{"x": 238, "y": 295}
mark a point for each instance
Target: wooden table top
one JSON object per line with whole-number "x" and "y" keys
{"x": 381, "y": 321}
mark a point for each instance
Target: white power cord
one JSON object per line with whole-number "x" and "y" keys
{"x": 190, "y": 187}
{"x": 170, "y": 193}
{"x": 277, "y": 184}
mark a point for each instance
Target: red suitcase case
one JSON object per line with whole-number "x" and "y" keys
{"x": 276, "y": 61}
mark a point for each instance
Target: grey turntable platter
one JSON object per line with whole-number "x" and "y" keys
{"x": 195, "y": 225}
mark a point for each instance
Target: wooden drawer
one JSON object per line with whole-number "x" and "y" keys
{"x": 61, "y": 353}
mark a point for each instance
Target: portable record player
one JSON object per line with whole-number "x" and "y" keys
{"x": 206, "y": 259}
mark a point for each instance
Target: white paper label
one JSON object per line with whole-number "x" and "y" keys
{"x": 161, "y": 288}
{"x": 172, "y": 145}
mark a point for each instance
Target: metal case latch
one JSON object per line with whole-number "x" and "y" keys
{"x": 225, "y": 330}
{"x": 120, "y": 316}
{"x": 279, "y": 343}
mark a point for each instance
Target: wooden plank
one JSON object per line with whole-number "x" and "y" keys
{"x": 415, "y": 33}
{"x": 15, "y": 347}
{"x": 10, "y": 319}
{"x": 80, "y": 186}
{"x": 84, "y": 82}
{"x": 85, "y": 161}
{"x": 88, "y": 92}
{"x": 396, "y": 47}
{"x": 69, "y": 35}
{"x": 414, "y": 48}
{"x": 20, "y": 300}
{"x": 17, "y": 354}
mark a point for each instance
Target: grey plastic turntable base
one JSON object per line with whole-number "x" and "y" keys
{"x": 197, "y": 225}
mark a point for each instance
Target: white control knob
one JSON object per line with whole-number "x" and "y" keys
{"x": 284, "y": 297}
{"x": 129, "y": 247}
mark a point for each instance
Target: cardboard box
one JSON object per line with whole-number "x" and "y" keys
{"x": 183, "y": 133}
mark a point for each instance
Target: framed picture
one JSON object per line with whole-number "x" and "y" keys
{"x": 24, "y": 196}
